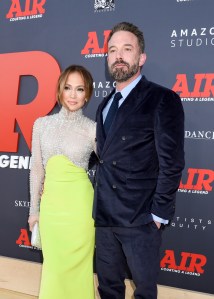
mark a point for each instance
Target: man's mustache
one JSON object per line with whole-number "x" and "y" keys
{"x": 119, "y": 62}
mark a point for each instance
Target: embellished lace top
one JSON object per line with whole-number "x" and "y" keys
{"x": 66, "y": 133}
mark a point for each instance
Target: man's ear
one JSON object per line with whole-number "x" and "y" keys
{"x": 142, "y": 59}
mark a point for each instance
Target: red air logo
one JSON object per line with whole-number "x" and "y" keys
{"x": 187, "y": 263}
{"x": 41, "y": 66}
{"x": 198, "y": 181}
{"x": 203, "y": 87}
{"x": 31, "y": 8}
{"x": 23, "y": 239}
{"x": 93, "y": 48}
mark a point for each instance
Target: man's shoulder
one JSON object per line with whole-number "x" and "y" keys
{"x": 156, "y": 87}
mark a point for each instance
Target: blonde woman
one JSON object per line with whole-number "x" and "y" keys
{"x": 61, "y": 147}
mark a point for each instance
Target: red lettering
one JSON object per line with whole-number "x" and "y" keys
{"x": 168, "y": 259}
{"x": 16, "y": 11}
{"x": 203, "y": 179}
{"x": 181, "y": 85}
{"x": 184, "y": 258}
{"x": 191, "y": 262}
{"x": 208, "y": 88}
{"x": 104, "y": 49}
{"x": 45, "y": 70}
{"x": 198, "y": 81}
{"x": 27, "y": 8}
{"x": 189, "y": 183}
{"x": 93, "y": 44}
{"x": 23, "y": 238}
{"x": 196, "y": 263}
{"x": 38, "y": 7}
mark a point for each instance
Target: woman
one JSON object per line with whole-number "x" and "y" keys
{"x": 61, "y": 146}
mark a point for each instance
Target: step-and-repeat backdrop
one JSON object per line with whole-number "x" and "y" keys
{"x": 39, "y": 38}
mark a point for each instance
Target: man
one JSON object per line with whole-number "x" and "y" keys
{"x": 140, "y": 150}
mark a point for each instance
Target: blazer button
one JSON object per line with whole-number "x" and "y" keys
{"x": 101, "y": 161}
{"x": 114, "y": 186}
{"x": 114, "y": 162}
{"x": 123, "y": 137}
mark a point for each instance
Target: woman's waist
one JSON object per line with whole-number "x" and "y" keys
{"x": 66, "y": 178}
{"x": 61, "y": 166}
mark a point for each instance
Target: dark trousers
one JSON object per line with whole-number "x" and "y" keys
{"x": 138, "y": 247}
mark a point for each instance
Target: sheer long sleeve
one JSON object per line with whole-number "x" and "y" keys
{"x": 66, "y": 133}
{"x": 93, "y": 136}
{"x": 37, "y": 170}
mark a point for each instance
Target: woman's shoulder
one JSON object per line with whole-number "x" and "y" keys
{"x": 89, "y": 121}
{"x": 45, "y": 119}
{"x": 43, "y": 122}
{"x": 90, "y": 124}
{"x": 90, "y": 127}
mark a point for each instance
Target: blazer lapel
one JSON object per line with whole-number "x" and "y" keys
{"x": 133, "y": 100}
{"x": 100, "y": 128}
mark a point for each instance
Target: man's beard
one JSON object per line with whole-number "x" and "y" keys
{"x": 120, "y": 74}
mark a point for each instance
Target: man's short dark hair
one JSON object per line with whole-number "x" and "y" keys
{"x": 125, "y": 26}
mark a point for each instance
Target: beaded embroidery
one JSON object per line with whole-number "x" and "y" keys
{"x": 66, "y": 133}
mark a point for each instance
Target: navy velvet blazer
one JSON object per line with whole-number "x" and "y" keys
{"x": 141, "y": 159}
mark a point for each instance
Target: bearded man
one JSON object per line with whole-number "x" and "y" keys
{"x": 140, "y": 145}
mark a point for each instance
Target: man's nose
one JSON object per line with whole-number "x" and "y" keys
{"x": 119, "y": 54}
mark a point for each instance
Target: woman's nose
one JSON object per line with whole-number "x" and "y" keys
{"x": 72, "y": 94}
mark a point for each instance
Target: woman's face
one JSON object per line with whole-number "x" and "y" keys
{"x": 73, "y": 96}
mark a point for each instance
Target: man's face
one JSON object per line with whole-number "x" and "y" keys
{"x": 124, "y": 57}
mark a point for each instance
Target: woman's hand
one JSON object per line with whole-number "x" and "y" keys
{"x": 32, "y": 220}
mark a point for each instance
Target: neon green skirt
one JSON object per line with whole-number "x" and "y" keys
{"x": 67, "y": 232}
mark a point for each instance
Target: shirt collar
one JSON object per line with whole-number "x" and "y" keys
{"x": 126, "y": 90}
